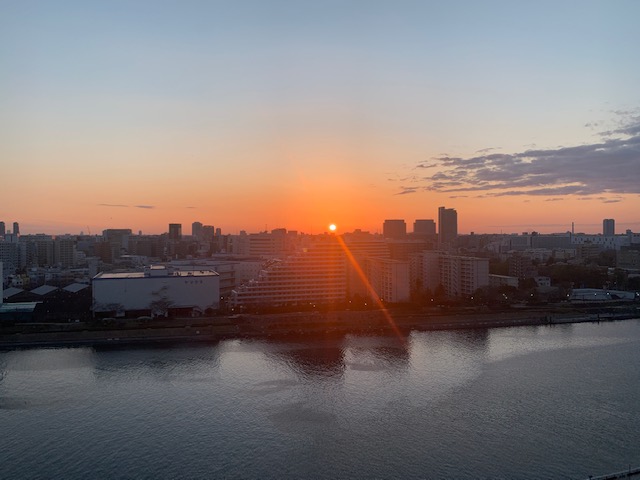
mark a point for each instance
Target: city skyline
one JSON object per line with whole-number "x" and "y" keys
{"x": 174, "y": 230}
{"x": 262, "y": 115}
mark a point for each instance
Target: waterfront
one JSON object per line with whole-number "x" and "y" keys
{"x": 524, "y": 402}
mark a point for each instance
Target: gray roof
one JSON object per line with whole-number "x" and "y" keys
{"x": 11, "y": 291}
{"x": 75, "y": 287}
{"x": 44, "y": 290}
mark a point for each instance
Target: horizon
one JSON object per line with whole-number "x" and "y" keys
{"x": 261, "y": 115}
{"x": 596, "y": 229}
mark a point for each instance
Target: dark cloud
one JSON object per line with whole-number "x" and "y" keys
{"x": 112, "y": 205}
{"x": 407, "y": 190}
{"x": 607, "y": 167}
{"x": 488, "y": 149}
{"x": 145, "y": 206}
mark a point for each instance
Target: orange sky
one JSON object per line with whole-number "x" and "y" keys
{"x": 522, "y": 118}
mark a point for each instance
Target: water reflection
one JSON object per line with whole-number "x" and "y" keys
{"x": 319, "y": 359}
{"x": 378, "y": 353}
{"x": 160, "y": 362}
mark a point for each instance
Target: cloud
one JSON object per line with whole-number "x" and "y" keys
{"x": 608, "y": 167}
{"x": 145, "y": 206}
{"x": 112, "y": 205}
{"x": 488, "y": 149}
{"x": 407, "y": 190}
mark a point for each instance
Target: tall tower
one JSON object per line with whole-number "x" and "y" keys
{"x": 447, "y": 226}
{"x": 175, "y": 231}
{"x": 608, "y": 227}
{"x": 16, "y": 228}
{"x": 3, "y": 229}
{"x": 196, "y": 229}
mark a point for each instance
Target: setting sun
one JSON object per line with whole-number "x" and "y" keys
{"x": 332, "y": 227}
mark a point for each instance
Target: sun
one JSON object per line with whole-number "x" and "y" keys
{"x": 332, "y": 227}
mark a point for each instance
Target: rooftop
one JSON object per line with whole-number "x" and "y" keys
{"x": 155, "y": 273}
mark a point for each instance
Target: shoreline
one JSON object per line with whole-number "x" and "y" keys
{"x": 292, "y": 326}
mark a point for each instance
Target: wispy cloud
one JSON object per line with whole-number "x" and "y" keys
{"x": 407, "y": 190}
{"x": 608, "y": 168}
{"x": 118, "y": 205}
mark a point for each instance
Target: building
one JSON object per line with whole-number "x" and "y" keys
{"x": 628, "y": 258}
{"x": 389, "y": 279}
{"x": 208, "y": 232}
{"x": 158, "y": 291}
{"x": 447, "y": 226}
{"x": 64, "y": 251}
{"x": 608, "y": 227}
{"x": 394, "y": 229}
{"x": 503, "y": 281}
{"x": 3, "y": 229}
{"x": 424, "y": 227}
{"x": 315, "y": 274}
{"x": 9, "y": 256}
{"x": 175, "y": 231}
{"x": 196, "y": 230}
{"x": 460, "y": 276}
{"x": 16, "y": 228}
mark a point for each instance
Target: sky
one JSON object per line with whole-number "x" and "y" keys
{"x": 254, "y": 115}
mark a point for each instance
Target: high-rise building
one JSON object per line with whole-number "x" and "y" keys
{"x": 64, "y": 251}
{"x": 394, "y": 229}
{"x": 16, "y": 228}
{"x": 447, "y": 226}
{"x": 424, "y": 227}
{"x": 175, "y": 231}
{"x": 3, "y": 229}
{"x": 609, "y": 227}
{"x": 316, "y": 274}
{"x": 460, "y": 276}
{"x": 208, "y": 232}
{"x": 196, "y": 229}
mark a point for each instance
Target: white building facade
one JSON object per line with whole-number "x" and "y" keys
{"x": 155, "y": 291}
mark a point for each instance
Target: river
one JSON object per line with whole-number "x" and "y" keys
{"x": 557, "y": 401}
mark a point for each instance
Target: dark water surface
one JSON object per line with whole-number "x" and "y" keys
{"x": 526, "y": 402}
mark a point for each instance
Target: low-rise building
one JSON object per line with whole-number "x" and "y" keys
{"x": 155, "y": 291}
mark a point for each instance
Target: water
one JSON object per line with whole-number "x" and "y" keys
{"x": 527, "y": 402}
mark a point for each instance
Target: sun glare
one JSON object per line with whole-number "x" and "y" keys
{"x": 332, "y": 227}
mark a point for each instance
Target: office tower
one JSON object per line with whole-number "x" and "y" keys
{"x": 175, "y": 231}
{"x": 196, "y": 229}
{"x": 3, "y": 229}
{"x": 16, "y": 228}
{"x": 609, "y": 227}
{"x": 424, "y": 227}
{"x": 447, "y": 225}
{"x": 394, "y": 229}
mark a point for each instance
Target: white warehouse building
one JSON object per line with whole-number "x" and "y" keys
{"x": 155, "y": 291}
